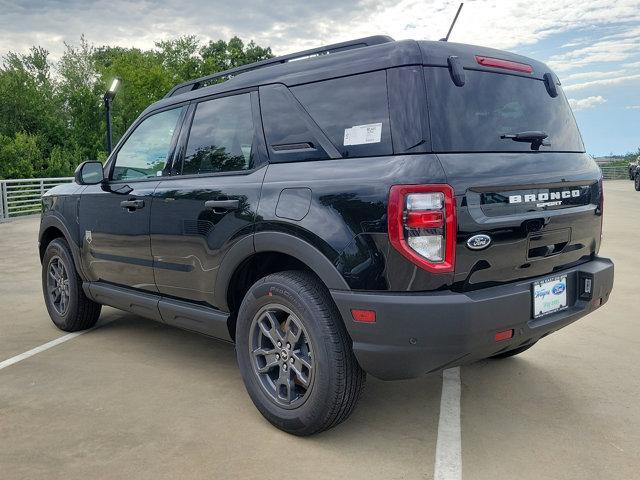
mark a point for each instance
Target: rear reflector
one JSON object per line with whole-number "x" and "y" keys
{"x": 365, "y": 316}
{"x": 506, "y": 64}
{"x": 505, "y": 335}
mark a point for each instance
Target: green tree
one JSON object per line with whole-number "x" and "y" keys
{"x": 79, "y": 89}
{"x": 179, "y": 58}
{"x": 20, "y": 156}
{"x": 221, "y": 55}
{"x": 52, "y": 115}
{"x": 144, "y": 80}
{"x": 28, "y": 101}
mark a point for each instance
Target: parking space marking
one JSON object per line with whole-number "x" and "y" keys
{"x": 41, "y": 348}
{"x": 448, "y": 464}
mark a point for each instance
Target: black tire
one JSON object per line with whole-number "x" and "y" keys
{"x": 515, "y": 351}
{"x": 335, "y": 379}
{"x": 77, "y": 312}
{"x": 637, "y": 183}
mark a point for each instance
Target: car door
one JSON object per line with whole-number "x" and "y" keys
{"x": 114, "y": 216}
{"x": 210, "y": 203}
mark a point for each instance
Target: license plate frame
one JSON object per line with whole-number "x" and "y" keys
{"x": 549, "y": 295}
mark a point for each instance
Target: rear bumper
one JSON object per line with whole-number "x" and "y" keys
{"x": 419, "y": 333}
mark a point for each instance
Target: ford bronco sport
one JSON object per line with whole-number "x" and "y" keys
{"x": 394, "y": 208}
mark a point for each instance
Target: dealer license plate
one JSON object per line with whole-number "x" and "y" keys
{"x": 549, "y": 296}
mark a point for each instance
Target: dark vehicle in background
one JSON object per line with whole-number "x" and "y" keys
{"x": 634, "y": 172}
{"x": 381, "y": 207}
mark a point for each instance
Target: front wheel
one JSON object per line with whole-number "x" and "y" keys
{"x": 294, "y": 354}
{"x": 69, "y": 308}
{"x": 637, "y": 183}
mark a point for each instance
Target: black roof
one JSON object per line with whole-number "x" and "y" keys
{"x": 347, "y": 58}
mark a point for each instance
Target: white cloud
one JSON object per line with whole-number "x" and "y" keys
{"x": 584, "y": 103}
{"x": 632, "y": 107}
{"x": 593, "y": 75}
{"x": 601, "y": 82}
{"x": 290, "y": 25}
{"x": 600, "y": 51}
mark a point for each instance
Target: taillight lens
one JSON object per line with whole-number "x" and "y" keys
{"x": 506, "y": 64}
{"x": 422, "y": 225}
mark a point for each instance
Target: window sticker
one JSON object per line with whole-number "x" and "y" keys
{"x": 363, "y": 134}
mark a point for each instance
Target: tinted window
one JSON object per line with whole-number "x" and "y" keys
{"x": 221, "y": 136}
{"x": 287, "y": 127}
{"x": 144, "y": 154}
{"x": 472, "y": 117}
{"x": 353, "y": 112}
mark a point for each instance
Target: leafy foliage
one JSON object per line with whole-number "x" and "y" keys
{"x": 52, "y": 115}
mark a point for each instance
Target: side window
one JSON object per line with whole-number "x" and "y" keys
{"x": 353, "y": 112}
{"x": 144, "y": 154}
{"x": 287, "y": 127}
{"x": 221, "y": 136}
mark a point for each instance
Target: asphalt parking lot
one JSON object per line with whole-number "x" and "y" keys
{"x": 136, "y": 399}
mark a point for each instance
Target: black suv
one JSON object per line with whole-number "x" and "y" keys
{"x": 394, "y": 208}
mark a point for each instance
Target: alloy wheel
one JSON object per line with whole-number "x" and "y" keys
{"x": 281, "y": 355}
{"x": 58, "y": 285}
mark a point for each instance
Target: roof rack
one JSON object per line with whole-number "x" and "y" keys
{"x": 334, "y": 48}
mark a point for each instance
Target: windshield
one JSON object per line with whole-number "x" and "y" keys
{"x": 472, "y": 118}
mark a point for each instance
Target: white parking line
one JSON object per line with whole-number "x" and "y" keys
{"x": 41, "y": 348}
{"x": 449, "y": 444}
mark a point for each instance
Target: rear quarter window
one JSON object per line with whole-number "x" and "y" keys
{"x": 352, "y": 111}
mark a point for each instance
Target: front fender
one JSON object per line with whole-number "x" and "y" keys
{"x": 54, "y": 219}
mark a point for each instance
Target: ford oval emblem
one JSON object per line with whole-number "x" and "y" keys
{"x": 478, "y": 242}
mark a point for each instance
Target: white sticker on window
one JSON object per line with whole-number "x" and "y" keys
{"x": 362, "y": 134}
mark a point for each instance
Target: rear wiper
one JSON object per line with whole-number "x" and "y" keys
{"x": 536, "y": 139}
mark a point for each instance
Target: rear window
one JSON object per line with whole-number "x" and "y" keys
{"x": 472, "y": 118}
{"x": 352, "y": 111}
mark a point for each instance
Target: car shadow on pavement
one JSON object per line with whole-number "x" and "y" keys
{"x": 395, "y": 423}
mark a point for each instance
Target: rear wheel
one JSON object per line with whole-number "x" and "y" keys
{"x": 294, "y": 354}
{"x": 69, "y": 308}
{"x": 515, "y": 351}
{"x": 637, "y": 183}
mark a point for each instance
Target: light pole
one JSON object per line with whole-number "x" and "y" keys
{"x": 108, "y": 98}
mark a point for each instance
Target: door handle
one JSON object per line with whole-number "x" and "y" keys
{"x": 222, "y": 204}
{"x": 132, "y": 204}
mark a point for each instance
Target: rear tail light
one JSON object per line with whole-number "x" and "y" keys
{"x": 505, "y": 64}
{"x": 422, "y": 225}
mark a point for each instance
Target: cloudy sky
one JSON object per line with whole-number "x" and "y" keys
{"x": 593, "y": 45}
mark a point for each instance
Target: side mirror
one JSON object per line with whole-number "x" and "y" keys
{"x": 89, "y": 173}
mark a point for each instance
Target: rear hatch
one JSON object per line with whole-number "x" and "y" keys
{"x": 537, "y": 197}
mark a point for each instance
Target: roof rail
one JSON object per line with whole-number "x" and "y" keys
{"x": 336, "y": 47}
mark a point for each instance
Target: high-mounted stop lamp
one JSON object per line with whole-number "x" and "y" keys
{"x": 108, "y": 98}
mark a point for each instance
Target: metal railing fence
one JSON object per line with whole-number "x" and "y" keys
{"x": 23, "y": 196}
{"x": 615, "y": 172}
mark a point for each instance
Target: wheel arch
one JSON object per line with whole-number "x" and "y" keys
{"x": 51, "y": 227}
{"x": 270, "y": 252}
